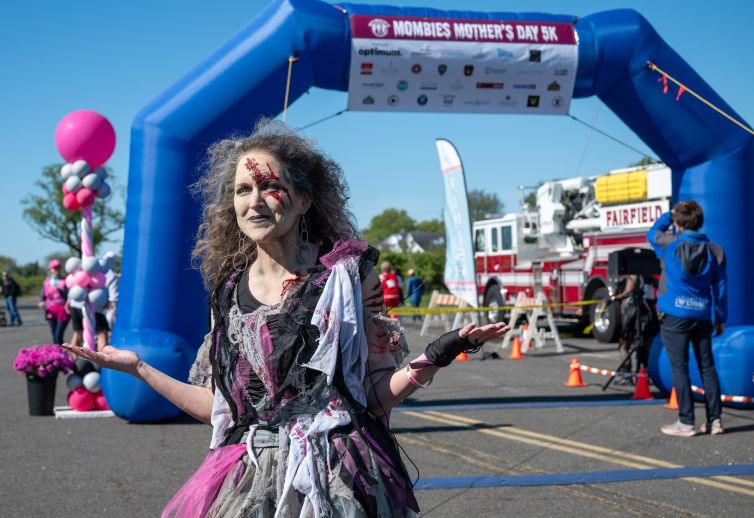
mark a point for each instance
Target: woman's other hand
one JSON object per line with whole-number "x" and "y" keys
{"x": 109, "y": 358}
{"x": 480, "y": 335}
{"x": 443, "y": 351}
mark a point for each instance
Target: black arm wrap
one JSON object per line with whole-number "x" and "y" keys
{"x": 444, "y": 350}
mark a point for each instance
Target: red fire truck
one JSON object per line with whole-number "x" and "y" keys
{"x": 563, "y": 243}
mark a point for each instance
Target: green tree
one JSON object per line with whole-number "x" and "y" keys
{"x": 484, "y": 205}
{"x": 29, "y": 276}
{"x": 387, "y": 223}
{"x": 431, "y": 225}
{"x": 430, "y": 266}
{"x": 30, "y": 269}
{"x": 530, "y": 200}
{"x": 45, "y": 213}
{"x": 647, "y": 160}
{"x": 7, "y": 264}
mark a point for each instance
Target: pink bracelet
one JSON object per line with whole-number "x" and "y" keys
{"x": 415, "y": 382}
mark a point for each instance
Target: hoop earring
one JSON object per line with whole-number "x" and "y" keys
{"x": 303, "y": 239}
{"x": 241, "y": 251}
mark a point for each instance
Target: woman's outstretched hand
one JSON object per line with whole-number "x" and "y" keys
{"x": 480, "y": 335}
{"x": 109, "y": 358}
{"x": 443, "y": 351}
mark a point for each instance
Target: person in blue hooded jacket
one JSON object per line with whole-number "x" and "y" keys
{"x": 693, "y": 301}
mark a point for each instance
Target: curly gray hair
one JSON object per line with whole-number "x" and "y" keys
{"x": 306, "y": 168}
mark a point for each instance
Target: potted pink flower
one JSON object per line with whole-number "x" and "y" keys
{"x": 41, "y": 365}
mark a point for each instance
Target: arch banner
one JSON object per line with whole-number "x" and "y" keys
{"x": 453, "y": 65}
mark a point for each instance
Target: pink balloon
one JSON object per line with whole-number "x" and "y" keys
{"x": 100, "y": 403}
{"x": 70, "y": 281}
{"x": 85, "y": 135}
{"x": 65, "y": 190}
{"x": 85, "y": 197}
{"x": 98, "y": 280}
{"x": 81, "y": 399}
{"x": 82, "y": 279}
{"x": 70, "y": 202}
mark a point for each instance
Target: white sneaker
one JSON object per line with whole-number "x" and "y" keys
{"x": 679, "y": 429}
{"x": 715, "y": 429}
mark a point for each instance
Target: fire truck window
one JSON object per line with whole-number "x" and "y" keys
{"x": 479, "y": 241}
{"x": 495, "y": 241}
{"x": 507, "y": 238}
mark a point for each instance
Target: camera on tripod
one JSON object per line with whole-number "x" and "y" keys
{"x": 637, "y": 312}
{"x": 631, "y": 261}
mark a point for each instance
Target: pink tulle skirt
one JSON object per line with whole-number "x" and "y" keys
{"x": 199, "y": 492}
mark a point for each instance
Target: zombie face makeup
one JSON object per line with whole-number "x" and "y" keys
{"x": 261, "y": 174}
{"x": 267, "y": 207}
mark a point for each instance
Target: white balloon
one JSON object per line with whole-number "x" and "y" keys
{"x": 90, "y": 264}
{"x": 98, "y": 298}
{"x": 73, "y": 381}
{"x": 80, "y": 168}
{"x": 100, "y": 171}
{"x": 91, "y": 181}
{"x": 91, "y": 382}
{"x": 104, "y": 190}
{"x": 72, "y": 183}
{"x": 77, "y": 294}
{"x": 72, "y": 264}
{"x": 66, "y": 171}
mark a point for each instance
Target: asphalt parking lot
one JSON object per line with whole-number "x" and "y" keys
{"x": 488, "y": 438}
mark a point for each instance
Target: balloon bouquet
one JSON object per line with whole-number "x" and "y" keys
{"x": 85, "y": 140}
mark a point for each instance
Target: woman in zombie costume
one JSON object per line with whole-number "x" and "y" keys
{"x": 299, "y": 371}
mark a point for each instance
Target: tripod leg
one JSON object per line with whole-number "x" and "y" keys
{"x": 626, "y": 360}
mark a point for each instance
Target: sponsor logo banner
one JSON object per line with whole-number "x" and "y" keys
{"x": 457, "y": 65}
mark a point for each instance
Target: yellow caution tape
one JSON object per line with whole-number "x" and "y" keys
{"x": 448, "y": 310}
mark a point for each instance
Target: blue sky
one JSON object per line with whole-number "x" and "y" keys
{"x": 113, "y": 57}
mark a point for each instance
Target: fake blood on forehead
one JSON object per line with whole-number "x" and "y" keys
{"x": 259, "y": 176}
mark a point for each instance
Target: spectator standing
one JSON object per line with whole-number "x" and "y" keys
{"x": 11, "y": 290}
{"x": 112, "y": 279}
{"x": 693, "y": 300}
{"x": 53, "y": 301}
{"x": 391, "y": 288}
{"x": 415, "y": 290}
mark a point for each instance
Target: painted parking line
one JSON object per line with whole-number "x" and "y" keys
{"x": 581, "y": 449}
{"x": 591, "y": 477}
{"x": 626, "y": 503}
{"x": 461, "y": 407}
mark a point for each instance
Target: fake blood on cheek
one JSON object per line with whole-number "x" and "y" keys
{"x": 259, "y": 177}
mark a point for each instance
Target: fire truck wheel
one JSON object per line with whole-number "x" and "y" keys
{"x": 493, "y": 298}
{"x": 605, "y": 318}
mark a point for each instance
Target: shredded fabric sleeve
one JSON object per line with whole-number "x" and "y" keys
{"x": 201, "y": 371}
{"x": 385, "y": 341}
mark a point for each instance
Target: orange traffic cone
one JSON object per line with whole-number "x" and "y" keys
{"x": 574, "y": 375}
{"x": 642, "y": 386}
{"x": 516, "y": 350}
{"x": 672, "y": 403}
{"x": 463, "y": 357}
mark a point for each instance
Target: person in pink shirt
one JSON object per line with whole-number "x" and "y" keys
{"x": 53, "y": 301}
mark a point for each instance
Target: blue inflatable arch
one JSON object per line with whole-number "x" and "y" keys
{"x": 162, "y": 313}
